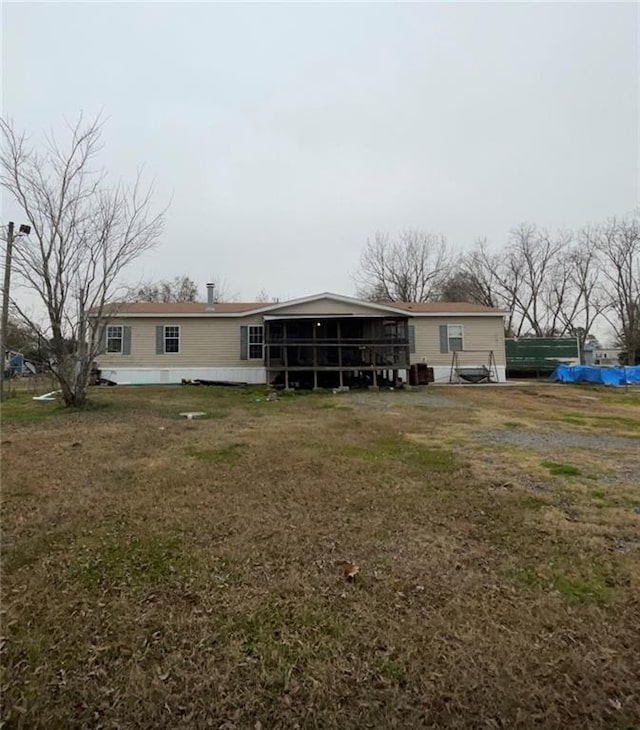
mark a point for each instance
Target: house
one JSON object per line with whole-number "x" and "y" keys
{"x": 15, "y": 364}
{"x": 326, "y": 340}
{"x": 611, "y": 356}
{"x": 595, "y": 354}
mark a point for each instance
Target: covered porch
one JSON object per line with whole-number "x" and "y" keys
{"x": 335, "y": 351}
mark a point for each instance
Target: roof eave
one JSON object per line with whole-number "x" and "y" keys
{"x": 457, "y": 313}
{"x": 252, "y": 312}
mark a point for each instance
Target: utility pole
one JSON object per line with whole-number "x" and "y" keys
{"x": 5, "y": 305}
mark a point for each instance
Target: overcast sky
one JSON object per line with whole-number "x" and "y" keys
{"x": 287, "y": 134}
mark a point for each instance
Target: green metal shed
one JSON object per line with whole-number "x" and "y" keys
{"x": 540, "y": 355}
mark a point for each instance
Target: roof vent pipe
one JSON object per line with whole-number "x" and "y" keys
{"x": 210, "y": 297}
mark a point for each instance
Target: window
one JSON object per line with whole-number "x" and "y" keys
{"x": 114, "y": 338}
{"x": 454, "y": 337}
{"x": 256, "y": 342}
{"x": 172, "y": 339}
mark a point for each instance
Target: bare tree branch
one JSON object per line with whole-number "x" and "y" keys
{"x": 409, "y": 268}
{"x": 618, "y": 242}
{"x": 84, "y": 233}
{"x": 178, "y": 289}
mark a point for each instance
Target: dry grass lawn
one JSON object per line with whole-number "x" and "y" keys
{"x": 164, "y": 573}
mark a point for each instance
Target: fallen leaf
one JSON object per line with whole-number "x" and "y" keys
{"x": 351, "y": 570}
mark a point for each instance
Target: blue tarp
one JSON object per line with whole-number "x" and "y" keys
{"x": 629, "y": 375}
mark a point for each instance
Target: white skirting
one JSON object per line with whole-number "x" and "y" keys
{"x": 253, "y": 375}
{"x": 165, "y": 376}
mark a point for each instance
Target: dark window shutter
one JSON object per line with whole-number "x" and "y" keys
{"x": 444, "y": 338}
{"x": 159, "y": 340}
{"x": 412, "y": 338}
{"x": 126, "y": 340}
{"x": 102, "y": 339}
{"x": 244, "y": 342}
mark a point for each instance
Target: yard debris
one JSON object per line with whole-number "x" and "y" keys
{"x": 47, "y": 396}
{"x": 351, "y": 570}
{"x": 190, "y": 415}
{"x": 221, "y": 383}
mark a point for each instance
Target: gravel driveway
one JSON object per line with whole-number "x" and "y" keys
{"x": 557, "y": 440}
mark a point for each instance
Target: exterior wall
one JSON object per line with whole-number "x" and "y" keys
{"x": 331, "y": 306}
{"x": 607, "y": 357}
{"x": 479, "y": 333}
{"x": 209, "y": 348}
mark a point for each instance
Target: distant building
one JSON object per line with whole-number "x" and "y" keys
{"x": 15, "y": 364}
{"x": 607, "y": 356}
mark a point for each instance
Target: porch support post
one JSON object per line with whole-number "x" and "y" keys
{"x": 340, "y": 373}
{"x": 285, "y": 357}
{"x": 315, "y": 358}
{"x": 375, "y": 372}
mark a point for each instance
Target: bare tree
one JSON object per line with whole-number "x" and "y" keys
{"x": 84, "y": 233}
{"x": 178, "y": 289}
{"x": 486, "y": 282}
{"x": 548, "y": 285}
{"x": 266, "y": 298}
{"x": 409, "y": 268}
{"x": 578, "y": 294}
{"x": 619, "y": 244}
{"x": 522, "y": 278}
{"x": 459, "y": 287}
{"x": 473, "y": 278}
{"x": 530, "y": 272}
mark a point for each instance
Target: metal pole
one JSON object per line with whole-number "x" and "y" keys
{"x": 4, "y": 324}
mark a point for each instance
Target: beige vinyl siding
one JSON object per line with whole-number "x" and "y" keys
{"x": 206, "y": 342}
{"x": 215, "y": 341}
{"x": 479, "y": 333}
{"x": 330, "y": 306}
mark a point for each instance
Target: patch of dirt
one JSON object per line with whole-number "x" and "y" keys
{"x": 392, "y": 399}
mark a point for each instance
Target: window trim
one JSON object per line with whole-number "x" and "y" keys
{"x": 249, "y": 328}
{"x": 164, "y": 339}
{"x": 107, "y": 338}
{"x": 461, "y": 338}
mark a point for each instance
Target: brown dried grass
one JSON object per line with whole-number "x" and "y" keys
{"x": 151, "y": 582}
